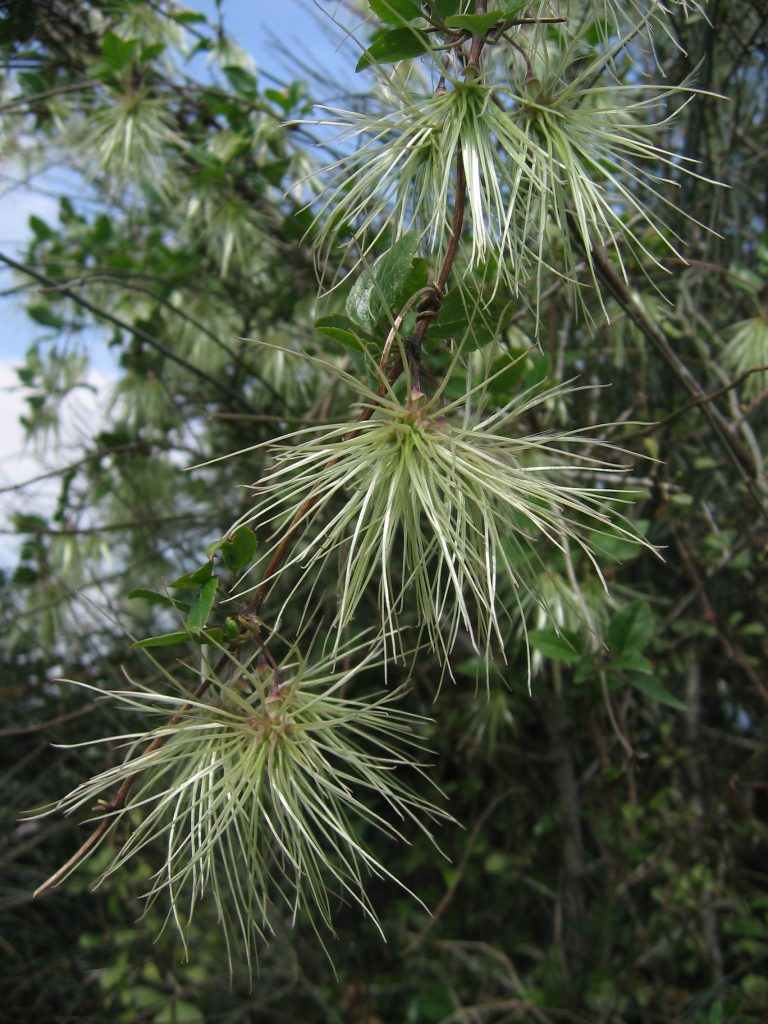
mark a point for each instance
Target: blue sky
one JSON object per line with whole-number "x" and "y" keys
{"x": 304, "y": 28}
{"x": 262, "y": 28}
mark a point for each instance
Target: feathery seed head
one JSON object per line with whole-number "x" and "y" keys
{"x": 257, "y": 791}
{"x": 437, "y": 510}
{"x": 554, "y": 162}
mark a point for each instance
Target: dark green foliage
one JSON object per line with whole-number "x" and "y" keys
{"x": 612, "y": 863}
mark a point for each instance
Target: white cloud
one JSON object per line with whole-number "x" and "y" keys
{"x": 19, "y": 201}
{"x": 15, "y": 465}
{"x": 20, "y": 461}
{"x": 16, "y": 207}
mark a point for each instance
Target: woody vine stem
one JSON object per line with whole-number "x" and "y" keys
{"x": 427, "y": 310}
{"x": 443, "y": 506}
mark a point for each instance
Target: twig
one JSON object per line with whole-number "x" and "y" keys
{"x": 426, "y": 314}
{"x": 125, "y": 282}
{"x": 708, "y": 397}
{"x": 117, "y": 803}
{"x": 27, "y": 101}
{"x": 70, "y": 467}
{"x": 137, "y": 332}
{"x": 450, "y": 892}
{"x": 737, "y": 452}
{"x": 50, "y": 723}
{"x": 612, "y": 717}
{"x": 131, "y": 524}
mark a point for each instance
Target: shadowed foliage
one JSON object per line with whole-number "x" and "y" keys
{"x": 386, "y": 619}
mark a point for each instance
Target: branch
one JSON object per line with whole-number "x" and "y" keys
{"x": 117, "y": 804}
{"x": 50, "y": 723}
{"x": 130, "y": 286}
{"x": 427, "y": 312}
{"x": 481, "y": 7}
{"x": 137, "y": 332}
{"x": 27, "y": 101}
{"x": 709, "y": 397}
{"x": 90, "y": 457}
{"x": 129, "y": 524}
{"x": 450, "y": 892}
{"x": 736, "y": 451}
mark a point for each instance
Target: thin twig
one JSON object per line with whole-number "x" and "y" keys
{"x": 708, "y": 397}
{"x": 50, "y": 723}
{"x": 115, "y": 804}
{"x": 416, "y": 340}
{"x": 70, "y": 467}
{"x": 137, "y": 332}
{"x": 737, "y": 452}
{"x": 27, "y": 101}
{"x": 612, "y": 717}
{"x": 131, "y": 524}
{"x": 450, "y": 892}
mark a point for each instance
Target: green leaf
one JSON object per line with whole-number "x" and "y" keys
{"x": 194, "y": 579}
{"x": 230, "y": 630}
{"x": 201, "y": 606}
{"x": 32, "y": 82}
{"x": 598, "y": 30}
{"x": 297, "y": 225}
{"x": 342, "y": 329}
{"x": 151, "y": 52}
{"x": 470, "y": 316}
{"x": 242, "y": 81}
{"x": 143, "y": 996}
{"x": 396, "y": 12}
{"x": 496, "y": 862}
{"x": 398, "y": 275}
{"x": 446, "y": 8}
{"x": 507, "y": 373}
{"x": 382, "y": 290}
{"x": 278, "y": 96}
{"x": 652, "y": 688}
{"x": 275, "y": 170}
{"x": 24, "y": 575}
{"x": 634, "y": 661}
{"x": 615, "y": 547}
{"x": 753, "y": 629}
{"x": 477, "y": 23}
{"x": 238, "y": 550}
{"x": 416, "y": 279}
{"x": 179, "y": 1012}
{"x": 186, "y": 17}
{"x": 514, "y": 8}
{"x": 562, "y": 646}
{"x": 117, "y": 53}
{"x": 40, "y": 228}
{"x": 393, "y": 45}
{"x": 358, "y": 304}
{"x": 432, "y": 1004}
{"x": 44, "y": 315}
{"x": 112, "y": 976}
{"x": 29, "y": 523}
{"x": 151, "y": 597}
{"x": 631, "y": 629}
{"x": 151, "y": 973}
{"x": 165, "y": 640}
